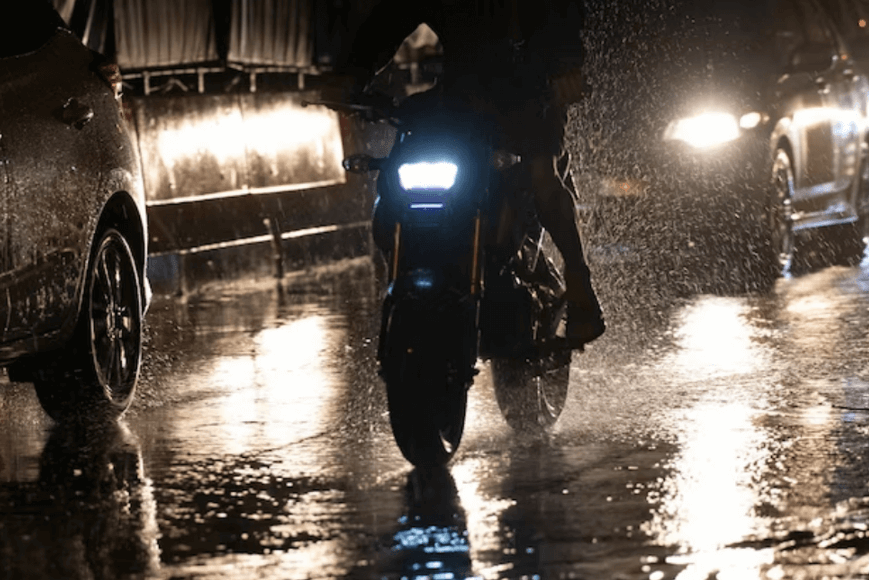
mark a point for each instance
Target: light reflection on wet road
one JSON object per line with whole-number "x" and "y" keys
{"x": 704, "y": 437}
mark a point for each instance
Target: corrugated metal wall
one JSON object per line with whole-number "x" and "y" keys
{"x": 156, "y": 33}
{"x": 271, "y": 32}
{"x": 218, "y": 146}
{"x": 151, "y": 34}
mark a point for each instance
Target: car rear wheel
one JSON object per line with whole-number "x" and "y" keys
{"x": 96, "y": 373}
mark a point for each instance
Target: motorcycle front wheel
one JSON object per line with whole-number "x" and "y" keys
{"x": 426, "y": 410}
{"x": 426, "y": 395}
{"x": 531, "y": 393}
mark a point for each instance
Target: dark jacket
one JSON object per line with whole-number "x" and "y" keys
{"x": 500, "y": 43}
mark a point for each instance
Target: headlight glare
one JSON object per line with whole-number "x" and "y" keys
{"x": 427, "y": 175}
{"x": 751, "y": 120}
{"x": 705, "y": 130}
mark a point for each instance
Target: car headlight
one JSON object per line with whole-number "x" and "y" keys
{"x": 427, "y": 175}
{"x": 705, "y": 130}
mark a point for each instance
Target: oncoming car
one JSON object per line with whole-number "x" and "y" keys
{"x": 73, "y": 288}
{"x": 742, "y": 121}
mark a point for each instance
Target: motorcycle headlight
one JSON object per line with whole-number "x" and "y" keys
{"x": 427, "y": 175}
{"x": 705, "y": 130}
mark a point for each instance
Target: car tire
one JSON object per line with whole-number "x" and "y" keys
{"x": 95, "y": 375}
{"x": 782, "y": 240}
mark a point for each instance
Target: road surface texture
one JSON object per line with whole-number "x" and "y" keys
{"x": 705, "y": 437}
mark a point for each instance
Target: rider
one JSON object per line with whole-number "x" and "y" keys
{"x": 518, "y": 60}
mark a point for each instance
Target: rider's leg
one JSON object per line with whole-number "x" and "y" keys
{"x": 555, "y": 208}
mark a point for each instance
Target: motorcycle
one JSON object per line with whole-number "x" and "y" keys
{"x": 471, "y": 275}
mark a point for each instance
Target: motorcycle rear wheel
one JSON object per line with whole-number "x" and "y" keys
{"x": 531, "y": 394}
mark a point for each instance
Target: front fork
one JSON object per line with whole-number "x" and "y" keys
{"x": 389, "y": 300}
{"x": 476, "y": 260}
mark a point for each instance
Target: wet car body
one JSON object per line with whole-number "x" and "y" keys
{"x": 69, "y": 174}
{"x": 719, "y": 90}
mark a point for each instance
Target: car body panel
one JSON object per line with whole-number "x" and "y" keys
{"x": 65, "y": 153}
{"x": 852, "y": 19}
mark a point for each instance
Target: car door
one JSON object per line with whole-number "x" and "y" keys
{"x": 851, "y": 18}
{"x": 826, "y": 120}
{"x": 51, "y": 156}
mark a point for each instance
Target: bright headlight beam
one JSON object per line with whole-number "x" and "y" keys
{"x": 706, "y": 130}
{"x": 427, "y": 175}
{"x": 750, "y": 120}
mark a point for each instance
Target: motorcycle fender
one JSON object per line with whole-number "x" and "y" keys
{"x": 446, "y": 333}
{"x": 506, "y": 319}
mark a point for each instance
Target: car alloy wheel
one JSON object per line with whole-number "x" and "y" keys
{"x": 783, "y": 240}
{"x": 115, "y": 318}
{"x": 95, "y": 374}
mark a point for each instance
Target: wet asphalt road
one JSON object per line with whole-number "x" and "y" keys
{"x": 704, "y": 437}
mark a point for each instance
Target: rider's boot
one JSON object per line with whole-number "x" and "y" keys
{"x": 585, "y": 320}
{"x": 556, "y": 210}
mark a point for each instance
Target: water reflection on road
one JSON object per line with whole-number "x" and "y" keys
{"x": 90, "y": 513}
{"x": 271, "y": 444}
{"x": 704, "y": 437}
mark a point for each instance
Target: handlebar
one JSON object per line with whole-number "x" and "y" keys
{"x": 370, "y": 113}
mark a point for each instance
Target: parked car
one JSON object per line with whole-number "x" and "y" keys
{"x": 72, "y": 220}
{"x": 744, "y": 121}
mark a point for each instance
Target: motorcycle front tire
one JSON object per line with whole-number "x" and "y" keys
{"x": 426, "y": 396}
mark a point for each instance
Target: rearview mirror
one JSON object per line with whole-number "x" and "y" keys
{"x": 360, "y": 163}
